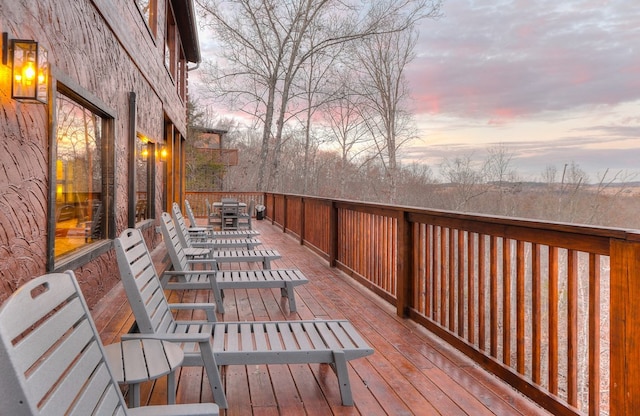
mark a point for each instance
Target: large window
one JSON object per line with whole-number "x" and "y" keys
{"x": 79, "y": 176}
{"x": 170, "y": 42}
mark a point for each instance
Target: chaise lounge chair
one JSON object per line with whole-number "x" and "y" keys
{"x": 211, "y": 344}
{"x": 223, "y": 255}
{"x": 185, "y": 276}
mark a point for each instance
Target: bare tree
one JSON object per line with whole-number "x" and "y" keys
{"x": 383, "y": 58}
{"x": 266, "y": 42}
{"x": 465, "y": 180}
{"x": 346, "y": 125}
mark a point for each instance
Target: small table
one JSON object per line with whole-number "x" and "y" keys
{"x": 136, "y": 360}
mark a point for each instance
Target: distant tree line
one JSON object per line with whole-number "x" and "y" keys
{"x": 487, "y": 186}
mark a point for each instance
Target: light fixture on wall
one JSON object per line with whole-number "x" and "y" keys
{"x": 163, "y": 153}
{"x": 29, "y": 68}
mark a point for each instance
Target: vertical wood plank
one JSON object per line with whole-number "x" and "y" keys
{"x": 461, "y": 283}
{"x": 471, "y": 295}
{"x": 536, "y": 308}
{"x": 452, "y": 280}
{"x": 572, "y": 327}
{"x": 553, "y": 320}
{"x": 506, "y": 301}
{"x": 482, "y": 343}
{"x": 493, "y": 297}
{"x": 594, "y": 334}
{"x": 443, "y": 276}
{"x": 520, "y": 308}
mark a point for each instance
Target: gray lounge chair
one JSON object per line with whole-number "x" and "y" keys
{"x": 212, "y": 344}
{"x": 52, "y": 361}
{"x": 202, "y": 273}
{"x": 222, "y": 255}
{"x": 190, "y": 240}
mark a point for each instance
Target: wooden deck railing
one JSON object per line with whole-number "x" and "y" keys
{"x": 553, "y": 309}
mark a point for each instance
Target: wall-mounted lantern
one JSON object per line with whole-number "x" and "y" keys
{"x": 29, "y": 68}
{"x": 163, "y": 153}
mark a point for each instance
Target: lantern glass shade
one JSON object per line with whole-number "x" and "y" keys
{"x": 29, "y": 71}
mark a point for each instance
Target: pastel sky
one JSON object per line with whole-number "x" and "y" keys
{"x": 554, "y": 82}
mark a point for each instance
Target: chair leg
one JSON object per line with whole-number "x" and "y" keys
{"x": 340, "y": 367}
{"x": 289, "y": 293}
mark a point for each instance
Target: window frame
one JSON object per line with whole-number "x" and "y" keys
{"x": 62, "y": 84}
{"x": 134, "y": 137}
{"x": 150, "y": 21}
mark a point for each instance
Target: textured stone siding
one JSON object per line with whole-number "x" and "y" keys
{"x": 105, "y": 47}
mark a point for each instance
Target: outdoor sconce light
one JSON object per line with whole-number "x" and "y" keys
{"x": 28, "y": 69}
{"x": 161, "y": 152}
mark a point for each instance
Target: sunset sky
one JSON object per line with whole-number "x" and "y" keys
{"x": 554, "y": 82}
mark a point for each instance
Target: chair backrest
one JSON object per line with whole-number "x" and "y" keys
{"x": 230, "y": 208}
{"x": 172, "y": 242}
{"x": 142, "y": 285}
{"x": 251, "y": 208}
{"x": 192, "y": 218}
{"x": 51, "y": 357}
{"x": 208, "y": 204}
{"x": 181, "y": 225}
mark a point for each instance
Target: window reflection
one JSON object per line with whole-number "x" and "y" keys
{"x": 143, "y": 153}
{"x": 79, "y": 208}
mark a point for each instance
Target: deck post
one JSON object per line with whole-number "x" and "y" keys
{"x": 333, "y": 234}
{"x": 625, "y": 327}
{"x": 405, "y": 263}
{"x": 302, "y": 220}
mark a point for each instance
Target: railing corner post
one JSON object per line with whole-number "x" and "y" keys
{"x": 625, "y": 327}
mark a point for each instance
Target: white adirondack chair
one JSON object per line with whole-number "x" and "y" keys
{"x": 52, "y": 361}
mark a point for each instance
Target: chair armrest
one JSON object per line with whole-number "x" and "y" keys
{"x": 209, "y": 308}
{"x": 189, "y": 409}
{"x": 191, "y": 337}
{"x": 207, "y": 262}
{"x": 186, "y": 272}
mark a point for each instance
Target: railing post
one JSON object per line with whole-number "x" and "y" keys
{"x": 333, "y": 234}
{"x": 302, "y": 220}
{"x": 405, "y": 265}
{"x": 284, "y": 214}
{"x": 625, "y": 327}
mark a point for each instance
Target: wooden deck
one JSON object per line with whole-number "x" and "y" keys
{"x": 411, "y": 373}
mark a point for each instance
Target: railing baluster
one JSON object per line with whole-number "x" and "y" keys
{"x": 594, "y": 334}
{"x": 536, "y": 309}
{"x": 493, "y": 296}
{"x": 461, "y": 283}
{"x": 520, "y": 307}
{"x": 506, "y": 302}
{"x": 471, "y": 295}
{"x": 553, "y": 320}
{"x": 572, "y": 327}
{"x": 482, "y": 343}
{"x": 451, "y": 291}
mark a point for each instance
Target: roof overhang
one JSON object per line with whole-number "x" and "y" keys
{"x": 186, "y": 21}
